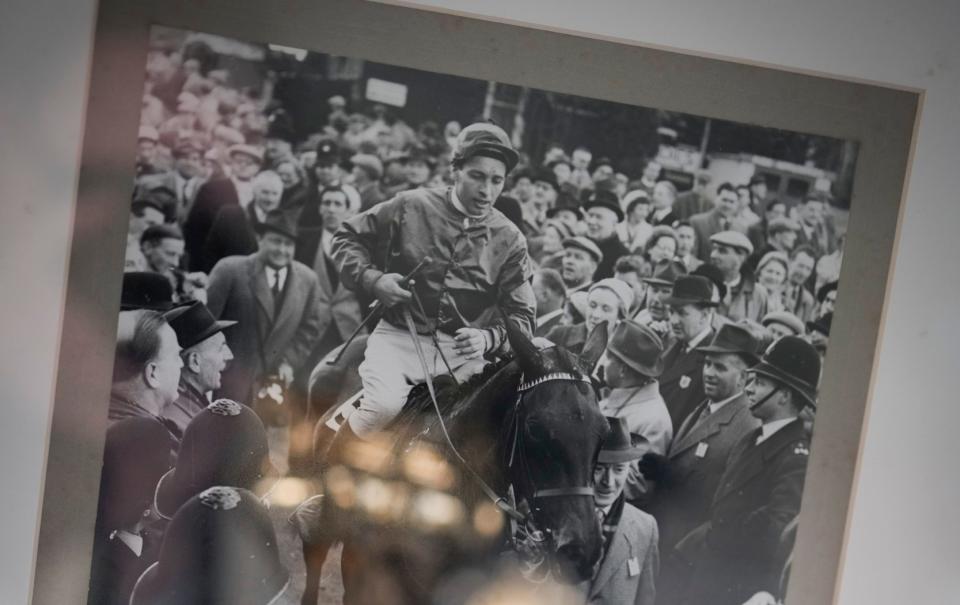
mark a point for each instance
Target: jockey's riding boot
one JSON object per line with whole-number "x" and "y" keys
{"x": 338, "y": 445}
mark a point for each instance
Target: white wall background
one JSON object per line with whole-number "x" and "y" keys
{"x": 905, "y": 537}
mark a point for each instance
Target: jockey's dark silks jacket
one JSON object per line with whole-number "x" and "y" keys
{"x": 478, "y": 264}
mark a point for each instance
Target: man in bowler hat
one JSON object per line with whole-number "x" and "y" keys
{"x": 733, "y": 554}
{"x": 631, "y": 559}
{"x": 205, "y": 355}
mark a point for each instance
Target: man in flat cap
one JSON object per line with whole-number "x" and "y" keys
{"x": 782, "y": 323}
{"x": 234, "y": 190}
{"x": 721, "y": 218}
{"x": 744, "y": 300}
{"x": 147, "y": 140}
{"x": 733, "y": 555}
{"x": 781, "y": 237}
{"x": 478, "y": 276}
{"x": 205, "y": 355}
{"x": 581, "y": 257}
{"x": 603, "y": 212}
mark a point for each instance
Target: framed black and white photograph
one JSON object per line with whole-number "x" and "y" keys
{"x": 369, "y": 304}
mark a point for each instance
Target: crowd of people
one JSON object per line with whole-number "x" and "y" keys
{"x": 252, "y": 255}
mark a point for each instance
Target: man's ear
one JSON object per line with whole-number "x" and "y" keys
{"x": 151, "y": 375}
{"x": 191, "y": 361}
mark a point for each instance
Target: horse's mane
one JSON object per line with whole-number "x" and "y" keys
{"x": 418, "y": 413}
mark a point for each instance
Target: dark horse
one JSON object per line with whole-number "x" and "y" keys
{"x": 530, "y": 426}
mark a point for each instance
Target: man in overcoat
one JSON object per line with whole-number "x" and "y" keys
{"x": 273, "y": 299}
{"x": 734, "y": 554}
{"x": 630, "y": 562}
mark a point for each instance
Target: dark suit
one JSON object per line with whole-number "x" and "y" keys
{"x": 184, "y": 190}
{"x": 232, "y": 233}
{"x": 696, "y": 460}
{"x": 266, "y": 335}
{"x": 211, "y": 197}
{"x": 628, "y": 570}
{"x": 612, "y": 249}
{"x": 689, "y": 203}
{"x": 823, "y": 240}
{"x": 681, "y": 383}
{"x": 734, "y": 554}
{"x": 542, "y": 329}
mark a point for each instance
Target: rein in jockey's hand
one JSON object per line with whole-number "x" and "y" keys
{"x": 388, "y": 291}
{"x": 470, "y": 342}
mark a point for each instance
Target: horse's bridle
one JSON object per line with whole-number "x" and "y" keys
{"x": 504, "y": 503}
{"x": 517, "y": 445}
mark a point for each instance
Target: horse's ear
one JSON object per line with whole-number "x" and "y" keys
{"x": 528, "y": 355}
{"x": 594, "y": 347}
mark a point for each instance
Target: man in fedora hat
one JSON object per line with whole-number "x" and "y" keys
{"x": 630, "y": 368}
{"x": 631, "y": 559}
{"x": 212, "y": 196}
{"x": 478, "y": 277}
{"x": 691, "y": 317}
{"x": 659, "y": 286}
{"x": 603, "y": 212}
{"x": 733, "y": 554}
{"x": 699, "y": 450}
{"x": 272, "y": 298}
{"x": 205, "y": 355}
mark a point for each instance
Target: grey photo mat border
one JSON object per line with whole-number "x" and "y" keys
{"x": 881, "y": 119}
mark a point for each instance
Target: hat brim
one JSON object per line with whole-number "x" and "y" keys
{"x": 161, "y": 307}
{"x": 164, "y": 500}
{"x": 751, "y": 357}
{"x": 653, "y": 371}
{"x": 656, "y": 281}
{"x": 217, "y": 326}
{"x": 618, "y": 456}
{"x": 505, "y": 154}
{"x": 691, "y": 301}
{"x": 615, "y": 209}
{"x": 264, "y": 227}
{"x": 808, "y": 394}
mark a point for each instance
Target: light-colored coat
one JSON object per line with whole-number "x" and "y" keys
{"x": 633, "y": 548}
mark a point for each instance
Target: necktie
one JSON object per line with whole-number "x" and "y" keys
{"x": 276, "y": 284}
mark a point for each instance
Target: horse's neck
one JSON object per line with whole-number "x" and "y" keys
{"x": 479, "y": 425}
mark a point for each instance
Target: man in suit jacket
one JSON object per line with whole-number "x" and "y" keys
{"x": 721, "y": 218}
{"x": 734, "y": 554}
{"x": 691, "y": 318}
{"x": 237, "y": 190}
{"x": 338, "y": 309}
{"x": 551, "y": 294}
{"x": 816, "y": 229}
{"x": 631, "y": 560}
{"x": 274, "y": 300}
{"x": 689, "y": 475}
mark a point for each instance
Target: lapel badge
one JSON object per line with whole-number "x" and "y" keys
{"x": 685, "y": 381}
{"x": 801, "y": 450}
{"x": 633, "y": 566}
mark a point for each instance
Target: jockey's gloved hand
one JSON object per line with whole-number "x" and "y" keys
{"x": 472, "y": 343}
{"x": 389, "y": 292}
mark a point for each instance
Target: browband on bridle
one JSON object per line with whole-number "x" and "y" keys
{"x": 524, "y": 386}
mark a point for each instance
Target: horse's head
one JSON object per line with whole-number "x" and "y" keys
{"x": 554, "y": 442}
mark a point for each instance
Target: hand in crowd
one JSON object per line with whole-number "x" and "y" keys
{"x": 285, "y": 372}
{"x": 470, "y": 342}
{"x": 389, "y": 292}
